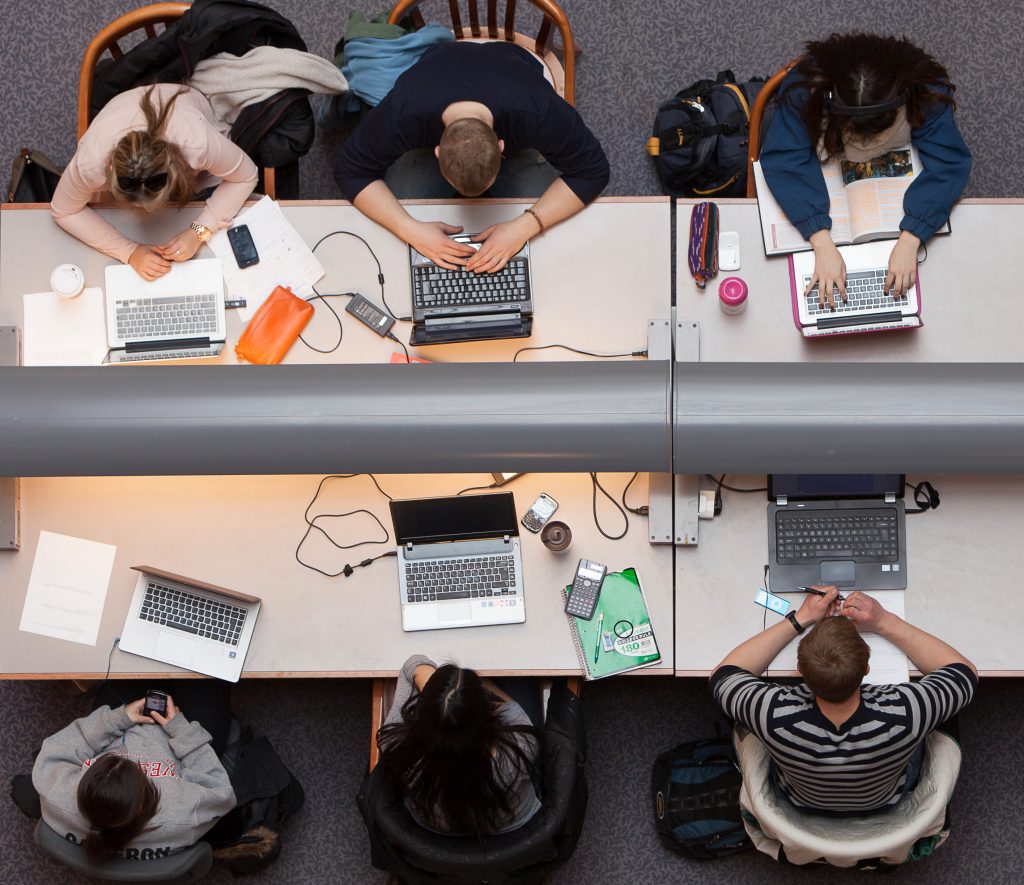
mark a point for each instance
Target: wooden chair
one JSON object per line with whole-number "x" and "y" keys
{"x": 562, "y": 70}
{"x": 145, "y": 19}
{"x": 756, "y": 116}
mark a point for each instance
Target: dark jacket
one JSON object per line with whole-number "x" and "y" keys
{"x": 275, "y": 132}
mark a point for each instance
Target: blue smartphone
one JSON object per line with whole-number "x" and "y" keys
{"x": 772, "y": 602}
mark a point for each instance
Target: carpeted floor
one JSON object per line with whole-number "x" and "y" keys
{"x": 633, "y": 56}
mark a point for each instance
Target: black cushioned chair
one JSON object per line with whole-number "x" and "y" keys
{"x": 420, "y": 857}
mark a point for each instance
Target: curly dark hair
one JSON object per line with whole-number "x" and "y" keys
{"x": 865, "y": 69}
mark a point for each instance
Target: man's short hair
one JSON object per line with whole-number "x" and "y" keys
{"x": 469, "y": 156}
{"x": 833, "y": 659}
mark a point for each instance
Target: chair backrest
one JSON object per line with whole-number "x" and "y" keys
{"x": 189, "y": 865}
{"x": 563, "y": 71}
{"x": 143, "y": 19}
{"x": 757, "y": 116}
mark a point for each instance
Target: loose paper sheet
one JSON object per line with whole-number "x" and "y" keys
{"x": 65, "y": 331}
{"x": 285, "y": 259}
{"x": 67, "y": 588}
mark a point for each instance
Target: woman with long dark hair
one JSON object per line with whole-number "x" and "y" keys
{"x": 856, "y": 97}
{"x": 120, "y": 781}
{"x": 151, "y": 147}
{"x": 461, "y": 750}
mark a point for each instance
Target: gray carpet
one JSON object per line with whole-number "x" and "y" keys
{"x": 633, "y": 56}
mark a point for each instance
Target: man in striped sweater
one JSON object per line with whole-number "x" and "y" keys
{"x": 840, "y": 748}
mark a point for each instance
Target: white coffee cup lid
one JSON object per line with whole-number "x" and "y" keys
{"x": 67, "y": 280}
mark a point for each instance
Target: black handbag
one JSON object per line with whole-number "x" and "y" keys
{"x": 34, "y": 178}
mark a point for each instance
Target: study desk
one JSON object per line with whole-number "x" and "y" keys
{"x": 965, "y": 557}
{"x": 241, "y": 531}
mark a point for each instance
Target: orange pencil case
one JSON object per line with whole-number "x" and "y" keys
{"x": 274, "y": 327}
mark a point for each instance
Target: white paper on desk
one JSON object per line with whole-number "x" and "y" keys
{"x": 65, "y": 331}
{"x": 285, "y": 259}
{"x": 889, "y": 665}
{"x": 67, "y": 588}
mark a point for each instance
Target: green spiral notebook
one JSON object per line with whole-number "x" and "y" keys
{"x": 619, "y": 637}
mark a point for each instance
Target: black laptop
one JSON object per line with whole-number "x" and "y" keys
{"x": 846, "y": 529}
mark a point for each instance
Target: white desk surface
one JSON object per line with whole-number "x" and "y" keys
{"x": 241, "y": 532}
{"x": 971, "y": 308}
{"x": 963, "y": 560}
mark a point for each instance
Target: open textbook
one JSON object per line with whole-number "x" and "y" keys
{"x": 865, "y": 201}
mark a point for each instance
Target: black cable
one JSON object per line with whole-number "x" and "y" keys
{"x": 394, "y": 337}
{"x": 341, "y": 329}
{"x": 106, "y": 676}
{"x": 376, "y": 260}
{"x": 603, "y": 356}
{"x": 926, "y": 497}
{"x": 720, "y": 484}
{"x": 642, "y": 510}
{"x": 312, "y": 524}
{"x": 493, "y": 485}
{"x": 597, "y": 485}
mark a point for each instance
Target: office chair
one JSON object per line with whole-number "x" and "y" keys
{"x": 561, "y": 70}
{"x": 418, "y": 856}
{"x": 189, "y": 865}
{"x": 146, "y": 18}
{"x": 757, "y": 117}
{"x": 912, "y": 830}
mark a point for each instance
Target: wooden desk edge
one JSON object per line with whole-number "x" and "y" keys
{"x": 309, "y": 674}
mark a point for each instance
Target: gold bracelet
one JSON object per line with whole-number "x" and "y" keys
{"x": 536, "y": 218}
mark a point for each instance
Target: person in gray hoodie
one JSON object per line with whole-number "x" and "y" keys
{"x": 123, "y": 782}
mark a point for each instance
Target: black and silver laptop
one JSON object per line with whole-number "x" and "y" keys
{"x": 844, "y": 529}
{"x": 460, "y": 305}
{"x": 459, "y": 563}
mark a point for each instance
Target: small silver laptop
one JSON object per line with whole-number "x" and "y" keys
{"x": 189, "y": 623}
{"x": 179, "y": 316}
{"x": 459, "y": 563}
{"x": 868, "y": 308}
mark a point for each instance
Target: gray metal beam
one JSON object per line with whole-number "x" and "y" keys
{"x": 849, "y": 418}
{"x": 548, "y": 417}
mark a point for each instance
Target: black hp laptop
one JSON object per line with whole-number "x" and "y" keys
{"x": 459, "y": 305}
{"x": 844, "y": 529}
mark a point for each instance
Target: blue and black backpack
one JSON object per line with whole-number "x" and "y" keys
{"x": 696, "y": 789}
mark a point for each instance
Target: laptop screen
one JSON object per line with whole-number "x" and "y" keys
{"x": 425, "y": 520}
{"x": 815, "y": 486}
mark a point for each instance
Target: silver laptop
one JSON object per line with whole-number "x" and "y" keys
{"x": 189, "y": 624}
{"x": 869, "y": 308}
{"x": 179, "y": 316}
{"x": 459, "y": 563}
{"x": 844, "y": 529}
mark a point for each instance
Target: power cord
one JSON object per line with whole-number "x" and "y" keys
{"x": 603, "y": 356}
{"x": 926, "y": 497}
{"x": 376, "y": 260}
{"x": 720, "y": 484}
{"x": 597, "y": 485}
{"x": 312, "y": 525}
{"x": 493, "y": 485}
{"x": 642, "y": 510}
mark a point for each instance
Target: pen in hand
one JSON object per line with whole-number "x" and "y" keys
{"x": 817, "y": 592}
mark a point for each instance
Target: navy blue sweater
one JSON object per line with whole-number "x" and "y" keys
{"x": 793, "y": 171}
{"x": 527, "y": 112}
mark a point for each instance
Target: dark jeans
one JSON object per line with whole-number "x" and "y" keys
{"x": 525, "y": 691}
{"x": 416, "y": 175}
{"x": 206, "y": 701}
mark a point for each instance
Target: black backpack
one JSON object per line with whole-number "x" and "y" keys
{"x": 700, "y": 137}
{"x": 696, "y": 788}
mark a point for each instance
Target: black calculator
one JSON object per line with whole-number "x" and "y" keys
{"x": 586, "y": 588}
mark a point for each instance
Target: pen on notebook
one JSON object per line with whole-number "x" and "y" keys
{"x": 597, "y": 647}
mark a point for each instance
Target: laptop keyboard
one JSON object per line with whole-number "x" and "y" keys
{"x": 208, "y": 618}
{"x": 439, "y": 287}
{"x": 475, "y": 577}
{"x": 864, "y": 291}
{"x": 142, "y": 356}
{"x": 166, "y": 317}
{"x": 864, "y": 535}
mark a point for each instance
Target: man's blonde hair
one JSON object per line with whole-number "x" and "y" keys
{"x": 469, "y": 156}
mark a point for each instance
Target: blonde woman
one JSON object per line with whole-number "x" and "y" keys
{"x": 150, "y": 147}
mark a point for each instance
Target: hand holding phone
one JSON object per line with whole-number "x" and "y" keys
{"x": 156, "y": 702}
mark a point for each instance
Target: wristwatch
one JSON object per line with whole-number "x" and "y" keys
{"x": 202, "y": 231}
{"x": 791, "y": 617}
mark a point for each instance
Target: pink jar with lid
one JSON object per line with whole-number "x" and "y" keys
{"x": 732, "y": 295}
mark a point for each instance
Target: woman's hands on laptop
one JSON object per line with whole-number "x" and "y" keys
{"x": 902, "y": 265}
{"x": 829, "y": 269}
{"x": 147, "y": 262}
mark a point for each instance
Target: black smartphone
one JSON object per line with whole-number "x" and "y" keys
{"x": 156, "y": 702}
{"x": 243, "y": 246}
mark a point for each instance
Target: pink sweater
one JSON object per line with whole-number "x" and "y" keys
{"x": 191, "y": 125}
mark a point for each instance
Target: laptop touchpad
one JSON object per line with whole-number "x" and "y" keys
{"x": 175, "y": 648}
{"x": 842, "y": 574}
{"x": 455, "y": 613}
